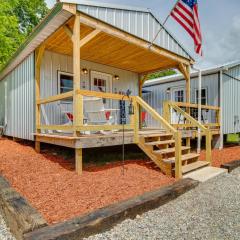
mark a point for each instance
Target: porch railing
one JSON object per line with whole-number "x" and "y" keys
{"x": 192, "y": 122}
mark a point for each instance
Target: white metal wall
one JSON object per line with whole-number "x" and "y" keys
{"x": 139, "y": 23}
{"x": 157, "y": 93}
{"x": 231, "y": 101}
{"x": 20, "y": 100}
{"x": 2, "y": 100}
{"x": 54, "y": 62}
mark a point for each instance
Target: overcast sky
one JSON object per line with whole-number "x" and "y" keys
{"x": 220, "y": 22}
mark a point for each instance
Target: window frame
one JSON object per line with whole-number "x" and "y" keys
{"x": 206, "y": 91}
{"x": 59, "y": 84}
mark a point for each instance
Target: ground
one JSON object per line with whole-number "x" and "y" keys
{"x": 51, "y": 185}
{"x": 210, "y": 211}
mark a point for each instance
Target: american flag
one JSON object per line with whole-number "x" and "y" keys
{"x": 185, "y": 13}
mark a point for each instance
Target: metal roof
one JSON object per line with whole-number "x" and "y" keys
{"x": 206, "y": 71}
{"x": 54, "y": 20}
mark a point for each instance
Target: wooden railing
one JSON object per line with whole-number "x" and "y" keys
{"x": 189, "y": 106}
{"x": 77, "y": 128}
{"x": 168, "y": 127}
{"x": 134, "y": 120}
{"x": 191, "y": 122}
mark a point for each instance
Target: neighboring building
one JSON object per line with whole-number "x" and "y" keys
{"x": 220, "y": 87}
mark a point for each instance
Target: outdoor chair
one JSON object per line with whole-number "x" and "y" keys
{"x": 97, "y": 114}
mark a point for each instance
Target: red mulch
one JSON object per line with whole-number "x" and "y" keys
{"x": 54, "y": 189}
{"x": 226, "y": 155}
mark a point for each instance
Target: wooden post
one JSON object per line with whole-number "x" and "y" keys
{"x": 188, "y": 98}
{"x": 208, "y": 146}
{"x": 77, "y": 98}
{"x": 38, "y": 60}
{"x": 166, "y": 111}
{"x": 178, "y": 155}
{"x": 78, "y": 160}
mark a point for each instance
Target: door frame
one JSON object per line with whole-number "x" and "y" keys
{"x": 104, "y": 74}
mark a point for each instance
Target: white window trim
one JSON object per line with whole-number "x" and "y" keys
{"x": 59, "y": 84}
{"x": 203, "y": 88}
{"x": 104, "y": 74}
{"x": 179, "y": 88}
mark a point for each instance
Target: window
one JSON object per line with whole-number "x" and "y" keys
{"x": 179, "y": 95}
{"x": 65, "y": 81}
{"x": 99, "y": 85}
{"x": 203, "y": 96}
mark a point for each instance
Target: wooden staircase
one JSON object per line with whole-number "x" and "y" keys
{"x": 161, "y": 149}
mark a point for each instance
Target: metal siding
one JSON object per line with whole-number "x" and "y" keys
{"x": 2, "y": 101}
{"x": 140, "y": 24}
{"x": 231, "y": 101}
{"x": 158, "y": 94}
{"x": 20, "y": 100}
{"x": 54, "y": 62}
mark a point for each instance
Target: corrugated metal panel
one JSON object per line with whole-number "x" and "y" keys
{"x": 231, "y": 101}
{"x": 157, "y": 94}
{"x": 20, "y": 100}
{"x": 2, "y": 101}
{"x": 53, "y": 62}
{"x": 141, "y": 24}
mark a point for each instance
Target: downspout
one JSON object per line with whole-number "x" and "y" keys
{"x": 221, "y": 109}
{"x": 199, "y": 106}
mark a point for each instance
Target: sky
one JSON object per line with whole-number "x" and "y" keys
{"x": 220, "y": 23}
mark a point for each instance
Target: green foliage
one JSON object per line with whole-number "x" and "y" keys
{"x": 161, "y": 74}
{"x": 18, "y": 18}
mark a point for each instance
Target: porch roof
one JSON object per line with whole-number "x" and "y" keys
{"x": 112, "y": 46}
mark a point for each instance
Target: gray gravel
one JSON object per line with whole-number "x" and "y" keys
{"x": 210, "y": 211}
{"x": 4, "y": 231}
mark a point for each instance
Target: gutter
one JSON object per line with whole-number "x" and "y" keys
{"x": 37, "y": 29}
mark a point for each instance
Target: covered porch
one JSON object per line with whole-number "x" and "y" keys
{"x": 86, "y": 38}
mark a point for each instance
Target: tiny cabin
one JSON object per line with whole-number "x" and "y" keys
{"x": 77, "y": 82}
{"x": 220, "y": 87}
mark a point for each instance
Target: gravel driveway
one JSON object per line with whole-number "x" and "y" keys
{"x": 210, "y": 211}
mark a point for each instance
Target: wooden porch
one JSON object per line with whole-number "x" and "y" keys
{"x": 84, "y": 37}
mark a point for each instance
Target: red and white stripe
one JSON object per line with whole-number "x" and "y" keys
{"x": 188, "y": 18}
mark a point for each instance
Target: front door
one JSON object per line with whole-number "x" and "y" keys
{"x": 101, "y": 82}
{"x": 178, "y": 95}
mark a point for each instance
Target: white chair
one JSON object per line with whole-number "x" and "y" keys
{"x": 97, "y": 114}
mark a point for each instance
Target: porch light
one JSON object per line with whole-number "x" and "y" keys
{"x": 168, "y": 91}
{"x": 84, "y": 71}
{"x": 116, "y": 77}
{"x": 131, "y": 108}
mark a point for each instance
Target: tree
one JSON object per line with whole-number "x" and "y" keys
{"x": 18, "y": 18}
{"x": 162, "y": 74}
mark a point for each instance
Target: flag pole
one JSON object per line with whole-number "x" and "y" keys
{"x": 162, "y": 25}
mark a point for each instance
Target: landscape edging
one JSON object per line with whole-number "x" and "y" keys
{"x": 18, "y": 214}
{"x": 231, "y": 165}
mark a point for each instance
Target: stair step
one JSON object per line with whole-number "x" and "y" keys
{"x": 169, "y": 150}
{"x": 193, "y": 166}
{"x": 184, "y": 157}
{"x": 157, "y": 135}
{"x": 160, "y": 143}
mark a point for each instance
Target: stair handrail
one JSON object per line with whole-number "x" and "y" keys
{"x": 177, "y": 134}
{"x": 197, "y": 124}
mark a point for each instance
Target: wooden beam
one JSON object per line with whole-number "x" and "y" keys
{"x": 110, "y": 30}
{"x": 77, "y": 98}
{"x": 89, "y": 37}
{"x": 183, "y": 69}
{"x": 68, "y": 31}
{"x": 55, "y": 98}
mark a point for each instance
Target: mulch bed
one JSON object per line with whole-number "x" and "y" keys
{"x": 226, "y": 155}
{"x": 51, "y": 185}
